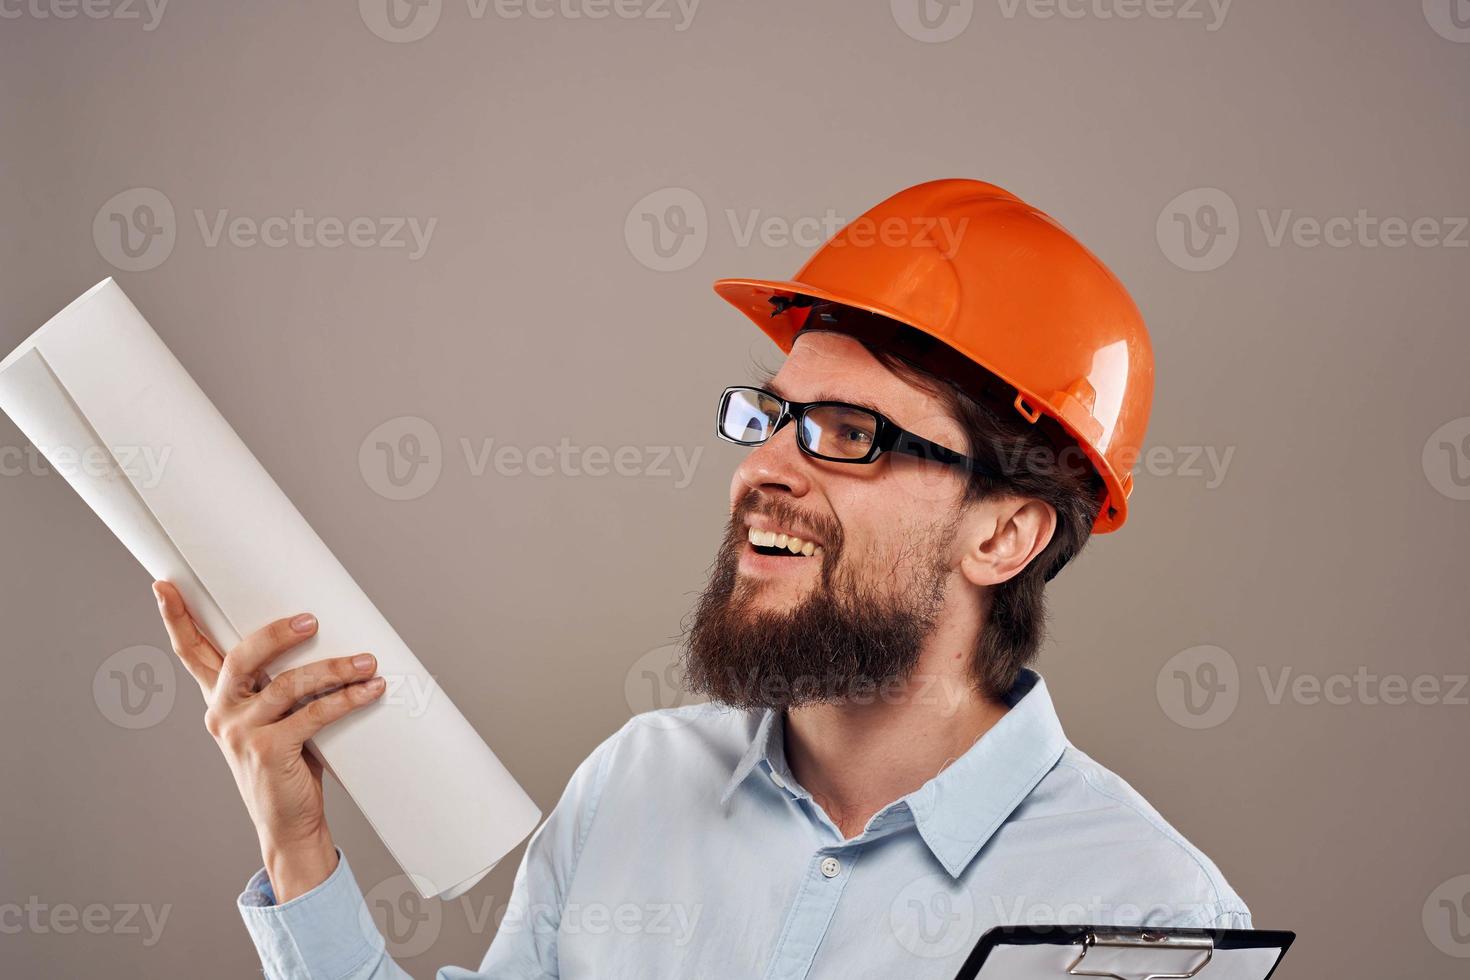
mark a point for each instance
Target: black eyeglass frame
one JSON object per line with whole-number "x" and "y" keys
{"x": 888, "y": 436}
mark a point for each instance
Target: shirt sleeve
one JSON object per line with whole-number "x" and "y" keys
{"x": 325, "y": 933}
{"x": 1233, "y": 919}
{"x": 328, "y": 934}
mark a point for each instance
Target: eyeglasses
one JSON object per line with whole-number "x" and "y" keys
{"x": 833, "y": 431}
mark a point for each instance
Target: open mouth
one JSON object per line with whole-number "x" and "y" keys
{"x": 776, "y": 543}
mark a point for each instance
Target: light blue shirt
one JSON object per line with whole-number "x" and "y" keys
{"x": 684, "y": 848}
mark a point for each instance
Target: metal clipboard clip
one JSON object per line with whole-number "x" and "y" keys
{"x": 1143, "y": 940}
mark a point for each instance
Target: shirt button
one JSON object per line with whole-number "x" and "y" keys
{"x": 831, "y": 867}
{"x": 776, "y": 778}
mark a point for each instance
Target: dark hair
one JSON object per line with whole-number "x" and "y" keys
{"x": 1038, "y": 460}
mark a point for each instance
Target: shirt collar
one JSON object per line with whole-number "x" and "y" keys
{"x": 961, "y": 808}
{"x": 763, "y": 745}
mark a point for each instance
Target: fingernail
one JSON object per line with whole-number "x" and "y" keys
{"x": 370, "y": 689}
{"x": 363, "y": 661}
{"x": 304, "y": 623}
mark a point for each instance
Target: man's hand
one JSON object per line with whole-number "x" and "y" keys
{"x": 261, "y": 726}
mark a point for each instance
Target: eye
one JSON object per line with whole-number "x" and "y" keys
{"x": 856, "y": 436}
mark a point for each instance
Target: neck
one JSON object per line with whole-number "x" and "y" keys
{"x": 855, "y": 759}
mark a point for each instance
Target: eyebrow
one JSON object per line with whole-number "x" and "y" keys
{"x": 824, "y": 396}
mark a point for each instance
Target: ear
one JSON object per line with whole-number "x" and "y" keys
{"x": 1002, "y": 535}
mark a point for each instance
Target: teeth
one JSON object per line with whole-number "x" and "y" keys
{"x": 793, "y": 544}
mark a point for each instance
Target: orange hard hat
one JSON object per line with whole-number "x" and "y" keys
{"x": 1009, "y": 289}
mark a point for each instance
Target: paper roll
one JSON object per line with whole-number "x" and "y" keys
{"x": 111, "y": 408}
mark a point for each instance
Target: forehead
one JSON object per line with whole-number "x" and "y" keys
{"x": 826, "y": 365}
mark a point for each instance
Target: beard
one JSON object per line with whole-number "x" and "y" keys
{"x": 846, "y": 641}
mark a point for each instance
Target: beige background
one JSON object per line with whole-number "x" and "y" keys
{"x": 1334, "y": 544}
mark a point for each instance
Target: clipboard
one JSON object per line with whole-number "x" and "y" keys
{"x": 1061, "y": 952}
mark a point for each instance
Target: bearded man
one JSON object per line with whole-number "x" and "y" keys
{"x": 878, "y": 777}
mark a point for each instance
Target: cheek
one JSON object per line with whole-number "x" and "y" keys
{"x": 926, "y": 492}
{"x": 891, "y": 534}
{"x": 871, "y": 528}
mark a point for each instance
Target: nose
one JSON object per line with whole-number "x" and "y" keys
{"x": 776, "y": 466}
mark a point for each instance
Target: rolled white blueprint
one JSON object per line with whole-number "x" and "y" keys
{"x": 107, "y": 403}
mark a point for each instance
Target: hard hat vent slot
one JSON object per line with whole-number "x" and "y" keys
{"x": 1027, "y": 412}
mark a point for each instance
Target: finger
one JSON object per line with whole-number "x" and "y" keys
{"x": 237, "y": 677}
{"x": 312, "y": 717}
{"x": 199, "y": 655}
{"x": 278, "y": 697}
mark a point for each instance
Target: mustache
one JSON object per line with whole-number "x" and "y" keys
{"x": 813, "y": 527}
